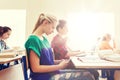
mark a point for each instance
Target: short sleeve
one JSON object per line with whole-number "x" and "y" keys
{"x": 33, "y": 44}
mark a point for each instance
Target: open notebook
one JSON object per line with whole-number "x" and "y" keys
{"x": 113, "y": 57}
{"x": 110, "y": 55}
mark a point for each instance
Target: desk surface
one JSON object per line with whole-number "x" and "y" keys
{"x": 93, "y": 61}
{"x": 10, "y": 59}
{"x": 7, "y": 60}
{"x": 11, "y": 56}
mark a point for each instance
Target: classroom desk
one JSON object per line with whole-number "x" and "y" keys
{"x": 94, "y": 62}
{"x": 22, "y": 59}
{"x": 8, "y": 60}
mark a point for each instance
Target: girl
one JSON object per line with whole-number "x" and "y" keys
{"x": 39, "y": 52}
{"x": 5, "y": 32}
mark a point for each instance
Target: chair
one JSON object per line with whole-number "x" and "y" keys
{"x": 15, "y": 72}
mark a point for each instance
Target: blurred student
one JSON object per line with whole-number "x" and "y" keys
{"x": 39, "y": 52}
{"x": 60, "y": 48}
{"x": 5, "y": 33}
{"x": 59, "y": 42}
{"x": 106, "y": 45}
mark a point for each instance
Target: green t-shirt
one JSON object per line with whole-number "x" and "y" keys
{"x": 43, "y": 50}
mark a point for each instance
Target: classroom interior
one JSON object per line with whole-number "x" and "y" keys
{"x": 87, "y": 19}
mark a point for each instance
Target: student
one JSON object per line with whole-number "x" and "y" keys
{"x": 105, "y": 45}
{"x": 5, "y": 32}
{"x": 39, "y": 52}
{"x": 60, "y": 48}
{"x": 59, "y": 42}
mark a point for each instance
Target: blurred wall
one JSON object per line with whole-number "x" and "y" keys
{"x": 61, "y": 8}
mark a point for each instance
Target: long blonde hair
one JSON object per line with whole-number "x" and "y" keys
{"x": 42, "y": 17}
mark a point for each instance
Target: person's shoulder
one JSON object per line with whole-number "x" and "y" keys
{"x": 103, "y": 42}
{"x": 56, "y": 37}
{"x": 33, "y": 37}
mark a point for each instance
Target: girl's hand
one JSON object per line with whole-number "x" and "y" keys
{"x": 63, "y": 64}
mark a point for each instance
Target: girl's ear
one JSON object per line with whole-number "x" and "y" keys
{"x": 45, "y": 22}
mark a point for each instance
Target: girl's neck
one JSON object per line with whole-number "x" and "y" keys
{"x": 63, "y": 36}
{"x": 60, "y": 34}
{"x": 38, "y": 34}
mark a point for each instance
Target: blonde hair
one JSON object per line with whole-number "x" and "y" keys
{"x": 43, "y": 17}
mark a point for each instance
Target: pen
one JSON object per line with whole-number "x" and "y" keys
{"x": 79, "y": 59}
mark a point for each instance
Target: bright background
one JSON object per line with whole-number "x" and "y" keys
{"x": 62, "y": 9}
{"x": 85, "y": 28}
{"x": 16, "y": 20}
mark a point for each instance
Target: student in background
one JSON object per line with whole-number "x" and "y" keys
{"x": 60, "y": 48}
{"x": 39, "y": 52}
{"x": 59, "y": 43}
{"x": 105, "y": 43}
{"x": 5, "y": 32}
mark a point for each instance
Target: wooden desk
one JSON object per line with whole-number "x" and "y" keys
{"x": 93, "y": 61}
{"x": 8, "y": 60}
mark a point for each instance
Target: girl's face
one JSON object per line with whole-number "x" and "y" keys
{"x": 108, "y": 37}
{"x": 50, "y": 28}
{"x": 6, "y": 35}
{"x": 63, "y": 30}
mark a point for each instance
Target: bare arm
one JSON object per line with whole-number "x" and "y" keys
{"x": 36, "y": 67}
{"x": 108, "y": 46}
{"x": 57, "y": 61}
{"x": 74, "y": 53}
